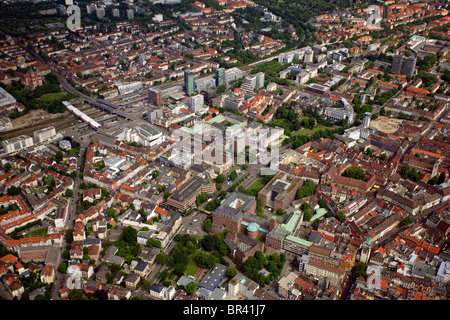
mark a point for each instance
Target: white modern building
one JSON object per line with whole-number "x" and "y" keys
{"x": 197, "y": 103}
{"x": 44, "y": 134}
{"x": 17, "y": 143}
{"x": 65, "y": 145}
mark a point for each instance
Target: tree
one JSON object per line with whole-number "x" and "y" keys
{"x": 322, "y": 203}
{"x": 231, "y": 272}
{"x": 207, "y": 226}
{"x": 129, "y": 235}
{"x": 179, "y": 268}
{"x": 405, "y": 221}
{"x": 7, "y": 167}
{"x": 340, "y": 216}
{"x": 355, "y": 172}
{"x": 162, "y": 258}
{"x": 58, "y": 156}
{"x": 360, "y": 270}
{"x": 233, "y": 175}
{"x": 307, "y": 189}
{"x": 68, "y": 193}
{"x": 76, "y": 294}
{"x": 191, "y": 287}
{"x": 441, "y": 178}
{"x": 13, "y": 191}
{"x": 154, "y": 243}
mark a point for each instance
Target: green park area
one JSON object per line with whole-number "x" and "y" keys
{"x": 307, "y": 132}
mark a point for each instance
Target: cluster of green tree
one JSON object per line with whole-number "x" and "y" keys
{"x": 402, "y": 115}
{"x": 17, "y": 17}
{"x": 201, "y": 198}
{"x": 213, "y": 204}
{"x": 270, "y": 69}
{"x": 426, "y": 63}
{"x": 299, "y": 140}
{"x": 427, "y": 79}
{"x": 359, "y": 108}
{"x": 306, "y": 189}
{"x": 437, "y": 179}
{"x": 187, "y": 247}
{"x": 355, "y": 173}
{"x": 31, "y": 98}
{"x": 308, "y": 213}
{"x": 127, "y": 245}
{"x": 382, "y": 98}
{"x": 286, "y": 118}
{"x": 6, "y": 209}
{"x": 406, "y": 221}
{"x": 411, "y": 174}
{"x": 446, "y": 75}
{"x": 253, "y": 266}
{"x": 320, "y": 119}
{"x": 359, "y": 270}
{"x": 252, "y": 18}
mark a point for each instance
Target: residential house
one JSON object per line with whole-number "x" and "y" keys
{"x": 157, "y": 291}
{"x": 118, "y": 293}
{"x": 48, "y": 274}
{"x": 132, "y": 280}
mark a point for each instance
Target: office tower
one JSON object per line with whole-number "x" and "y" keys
{"x": 130, "y": 14}
{"x": 404, "y": 66}
{"x": 308, "y": 57}
{"x": 259, "y": 80}
{"x": 196, "y": 103}
{"x": 155, "y": 97}
{"x": 189, "y": 82}
{"x": 100, "y": 13}
{"x": 396, "y": 64}
{"x": 220, "y": 73}
{"x": 408, "y": 66}
{"x": 154, "y": 114}
{"x": 366, "y": 120}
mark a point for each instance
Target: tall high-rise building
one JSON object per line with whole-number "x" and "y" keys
{"x": 100, "y": 13}
{"x": 403, "y": 65}
{"x": 189, "y": 82}
{"x": 259, "y": 80}
{"x": 396, "y": 64}
{"x": 366, "y": 120}
{"x": 130, "y": 14}
{"x": 308, "y": 57}
{"x": 408, "y": 66}
{"x": 155, "y": 97}
{"x": 196, "y": 103}
{"x": 365, "y": 250}
{"x": 220, "y": 73}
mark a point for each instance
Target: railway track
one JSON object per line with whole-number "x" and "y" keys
{"x": 57, "y": 123}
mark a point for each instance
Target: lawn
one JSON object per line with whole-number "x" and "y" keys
{"x": 307, "y": 132}
{"x": 191, "y": 267}
{"x": 52, "y": 96}
{"x": 38, "y": 232}
{"x": 257, "y": 185}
